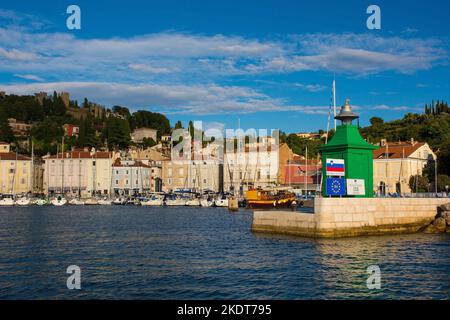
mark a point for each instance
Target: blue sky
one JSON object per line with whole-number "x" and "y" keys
{"x": 268, "y": 63}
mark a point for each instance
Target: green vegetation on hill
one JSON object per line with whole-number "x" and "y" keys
{"x": 433, "y": 127}
{"x": 49, "y": 117}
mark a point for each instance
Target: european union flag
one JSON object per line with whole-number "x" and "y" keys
{"x": 335, "y": 187}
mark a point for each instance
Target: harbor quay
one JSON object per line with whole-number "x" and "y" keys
{"x": 347, "y": 217}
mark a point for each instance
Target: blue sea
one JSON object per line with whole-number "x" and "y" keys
{"x": 133, "y": 252}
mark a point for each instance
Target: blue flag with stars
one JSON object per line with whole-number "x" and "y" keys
{"x": 335, "y": 187}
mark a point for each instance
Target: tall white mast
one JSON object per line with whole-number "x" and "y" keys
{"x": 334, "y": 102}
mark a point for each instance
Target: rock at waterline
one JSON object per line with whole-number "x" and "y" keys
{"x": 437, "y": 226}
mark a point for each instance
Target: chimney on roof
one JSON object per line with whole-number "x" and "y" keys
{"x": 412, "y": 141}
{"x": 383, "y": 142}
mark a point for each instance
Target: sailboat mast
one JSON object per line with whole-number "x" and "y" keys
{"x": 306, "y": 170}
{"x": 32, "y": 167}
{"x": 334, "y": 103}
{"x": 62, "y": 166}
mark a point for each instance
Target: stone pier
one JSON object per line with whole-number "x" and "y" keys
{"x": 343, "y": 217}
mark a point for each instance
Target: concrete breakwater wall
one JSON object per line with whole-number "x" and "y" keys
{"x": 342, "y": 217}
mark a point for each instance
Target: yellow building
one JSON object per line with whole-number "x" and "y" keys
{"x": 394, "y": 164}
{"x": 15, "y": 172}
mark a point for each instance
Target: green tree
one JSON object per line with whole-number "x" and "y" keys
{"x": 418, "y": 183}
{"x": 117, "y": 133}
{"x": 87, "y": 136}
{"x": 6, "y": 133}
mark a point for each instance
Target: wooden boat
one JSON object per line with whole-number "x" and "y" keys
{"x": 260, "y": 198}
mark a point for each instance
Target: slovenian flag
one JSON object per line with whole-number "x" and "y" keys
{"x": 335, "y": 166}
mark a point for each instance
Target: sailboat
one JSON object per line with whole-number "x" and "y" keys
{"x": 41, "y": 202}
{"x": 60, "y": 200}
{"x": 76, "y": 202}
{"x": 155, "y": 200}
{"x": 23, "y": 201}
{"x": 105, "y": 201}
{"x": 7, "y": 201}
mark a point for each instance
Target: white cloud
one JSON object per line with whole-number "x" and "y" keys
{"x": 171, "y": 99}
{"x": 311, "y": 87}
{"x": 394, "y": 108}
{"x": 148, "y": 68}
{"x": 29, "y": 77}
{"x": 199, "y": 57}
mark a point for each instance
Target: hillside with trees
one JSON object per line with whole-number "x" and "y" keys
{"x": 49, "y": 116}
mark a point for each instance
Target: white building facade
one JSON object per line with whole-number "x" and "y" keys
{"x": 78, "y": 173}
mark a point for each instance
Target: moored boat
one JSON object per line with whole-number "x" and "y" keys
{"x": 6, "y": 202}
{"x": 261, "y": 198}
{"x": 91, "y": 202}
{"x": 221, "y": 202}
{"x": 153, "y": 201}
{"x": 206, "y": 202}
{"x": 105, "y": 202}
{"x": 41, "y": 202}
{"x": 59, "y": 201}
{"x": 24, "y": 201}
{"x": 76, "y": 202}
{"x": 194, "y": 202}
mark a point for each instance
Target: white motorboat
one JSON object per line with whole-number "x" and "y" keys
{"x": 119, "y": 201}
{"x": 24, "y": 201}
{"x": 176, "y": 202}
{"x": 59, "y": 201}
{"x": 206, "y": 203}
{"x": 76, "y": 202}
{"x": 105, "y": 202}
{"x": 193, "y": 202}
{"x": 7, "y": 202}
{"x": 153, "y": 201}
{"x": 41, "y": 202}
{"x": 91, "y": 202}
{"x": 223, "y": 202}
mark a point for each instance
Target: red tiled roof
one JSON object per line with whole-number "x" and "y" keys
{"x": 396, "y": 150}
{"x": 12, "y": 156}
{"x": 77, "y": 154}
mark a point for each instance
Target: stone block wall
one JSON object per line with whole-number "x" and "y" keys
{"x": 340, "y": 217}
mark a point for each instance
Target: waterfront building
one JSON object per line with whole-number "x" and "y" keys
{"x": 303, "y": 175}
{"x": 155, "y": 160}
{"x": 71, "y": 130}
{"x": 131, "y": 177}
{"x": 196, "y": 175}
{"x": 81, "y": 173}
{"x": 395, "y": 162}
{"x": 19, "y": 128}
{"x": 285, "y": 156}
{"x": 15, "y": 171}
{"x": 139, "y": 134}
{"x": 250, "y": 168}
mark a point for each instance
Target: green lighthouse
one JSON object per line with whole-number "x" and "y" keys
{"x": 347, "y": 159}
